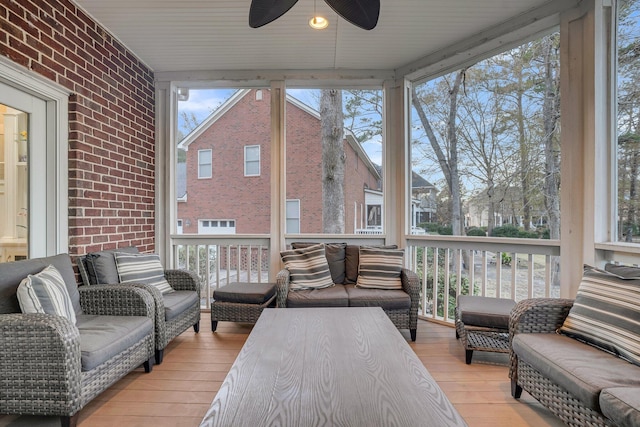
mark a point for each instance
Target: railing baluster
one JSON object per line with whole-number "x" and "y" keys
{"x": 436, "y": 271}
{"x": 445, "y": 297}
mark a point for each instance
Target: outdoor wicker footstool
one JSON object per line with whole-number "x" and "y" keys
{"x": 482, "y": 324}
{"x": 241, "y": 302}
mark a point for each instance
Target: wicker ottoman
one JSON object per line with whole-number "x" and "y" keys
{"x": 241, "y": 302}
{"x": 482, "y": 324}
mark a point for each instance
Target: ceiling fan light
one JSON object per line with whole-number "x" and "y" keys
{"x": 318, "y": 23}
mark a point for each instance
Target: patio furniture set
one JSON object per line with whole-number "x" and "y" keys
{"x": 579, "y": 358}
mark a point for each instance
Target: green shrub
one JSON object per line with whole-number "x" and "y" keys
{"x": 506, "y": 231}
{"x": 445, "y": 230}
{"x": 476, "y": 231}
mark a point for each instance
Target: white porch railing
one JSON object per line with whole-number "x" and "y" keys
{"x": 502, "y": 268}
{"x": 221, "y": 260}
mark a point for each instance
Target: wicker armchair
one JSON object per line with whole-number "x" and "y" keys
{"x": 42, "y": 369}
{"x": 172, "y": 315}
{"x": 545, "y": 316}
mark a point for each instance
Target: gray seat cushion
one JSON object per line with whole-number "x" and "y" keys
{"x": 621, "y": 405}
{"x": 102, "y": 337}
{"x": 12, "y": 273}
{"x": 579, "y": 368}
{"x": 175, "y": 303}
{"x": 387, "y": 299}
{"x": 245, "y": 293}
{"x": 485, "y": 312}
{"x": 101, "y": 266}
{"x": 335, "y": 296}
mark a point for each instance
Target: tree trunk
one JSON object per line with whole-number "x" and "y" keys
{"x": 551, "y": 108}
{"x": 456, "y": 198}
{"x": 333, "y": 161}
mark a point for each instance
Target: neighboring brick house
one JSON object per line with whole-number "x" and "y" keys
{"x": 228, "y": 172}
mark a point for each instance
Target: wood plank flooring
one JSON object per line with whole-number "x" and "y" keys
{"x": 179, "y": 392}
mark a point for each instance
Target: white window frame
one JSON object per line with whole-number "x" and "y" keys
{"x": 288, "y": 218}
{"x": 201, "y": 164}
{"x": 248, "y": 161}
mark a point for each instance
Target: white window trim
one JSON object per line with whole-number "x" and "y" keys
{"x": 210, "y": 164}
{"x": 246, "y": 160}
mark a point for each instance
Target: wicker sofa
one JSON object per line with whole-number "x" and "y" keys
{"x": 51, "y": 366}
{"x": 400, "y": 305}
{"x": 581, "y": 383}
{"x": 175, "y": 312}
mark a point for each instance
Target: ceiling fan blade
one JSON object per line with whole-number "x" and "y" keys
{"x": 264, "y": 11}
{"x": 361, "y": 13}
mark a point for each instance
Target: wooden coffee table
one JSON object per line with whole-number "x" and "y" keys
{"x": 329, "y": 367}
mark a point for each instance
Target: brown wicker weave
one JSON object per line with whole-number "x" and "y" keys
{"x": 40, "y": 371}
{"x": 402, "y": 319}
{"x": 477, "y": 338}
{"x": 545, "y": 315}
{"x": 180, "y": 280}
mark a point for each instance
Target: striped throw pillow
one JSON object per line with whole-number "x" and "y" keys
{"x": 308, "y": 267}
{"x": 380, "y": 268}
{"x": 606, "y": 313}
{"x": 46, "y": 292}
{"x": 142, "y": 268}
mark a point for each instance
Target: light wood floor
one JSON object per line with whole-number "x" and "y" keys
{"x": 178, "y": 392}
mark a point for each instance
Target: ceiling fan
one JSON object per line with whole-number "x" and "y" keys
{"x": 361, "y": 13}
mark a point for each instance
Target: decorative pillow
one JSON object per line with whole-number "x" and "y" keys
{"x": 335, "y": 253}
{"x": 101, "y": 266}
{"x": 352, "y": 261}
{"x": 606, "y": 313}
{"x": 308, "y": 267}
{"x": 380, "y": 268}
{"x": 142, "y": 268}
{"x": 46, "y": 292}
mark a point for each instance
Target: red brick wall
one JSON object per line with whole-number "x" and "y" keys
{"x": 111, "y": 119}
{"x": 231, "y": 195}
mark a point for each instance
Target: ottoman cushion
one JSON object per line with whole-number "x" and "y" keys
{"x": 622, "y": 405}
{"x": 485, "y": 311}
{"x": 245, "y": 293}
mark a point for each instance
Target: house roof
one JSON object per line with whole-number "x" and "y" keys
{"x": 196, "y": 37}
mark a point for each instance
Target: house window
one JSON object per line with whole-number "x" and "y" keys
{"x": 252, "y": 160}
{"x": 179, "y": 227}
{"x": 293, "y": 216}
{"x": 374, "y": 216}
{"x": 216, "y": 226}
{"x": 205, "y": 158}
{"x": 628, "y": 131}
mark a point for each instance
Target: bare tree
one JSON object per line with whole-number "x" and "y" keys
{"x": 333, "y": 161}
{"x": 446, "y": 151}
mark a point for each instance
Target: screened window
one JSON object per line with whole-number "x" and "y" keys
{"x": 235, "y": 123}
{"x": 293, "y": 216}
{"x": 496, "y": 166}
{"x": 321, "y": 164}
{"x": 204, "y": 163}
{"x": 252, "y": 160}
{"x": 628, "y": 131}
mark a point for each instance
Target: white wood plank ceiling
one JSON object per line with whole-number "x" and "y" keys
{"x": 201, "y": 35}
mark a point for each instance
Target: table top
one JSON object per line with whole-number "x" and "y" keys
{"x": 329, "y": 367}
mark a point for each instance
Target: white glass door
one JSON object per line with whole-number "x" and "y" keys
{"x": 23, "y": 178}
